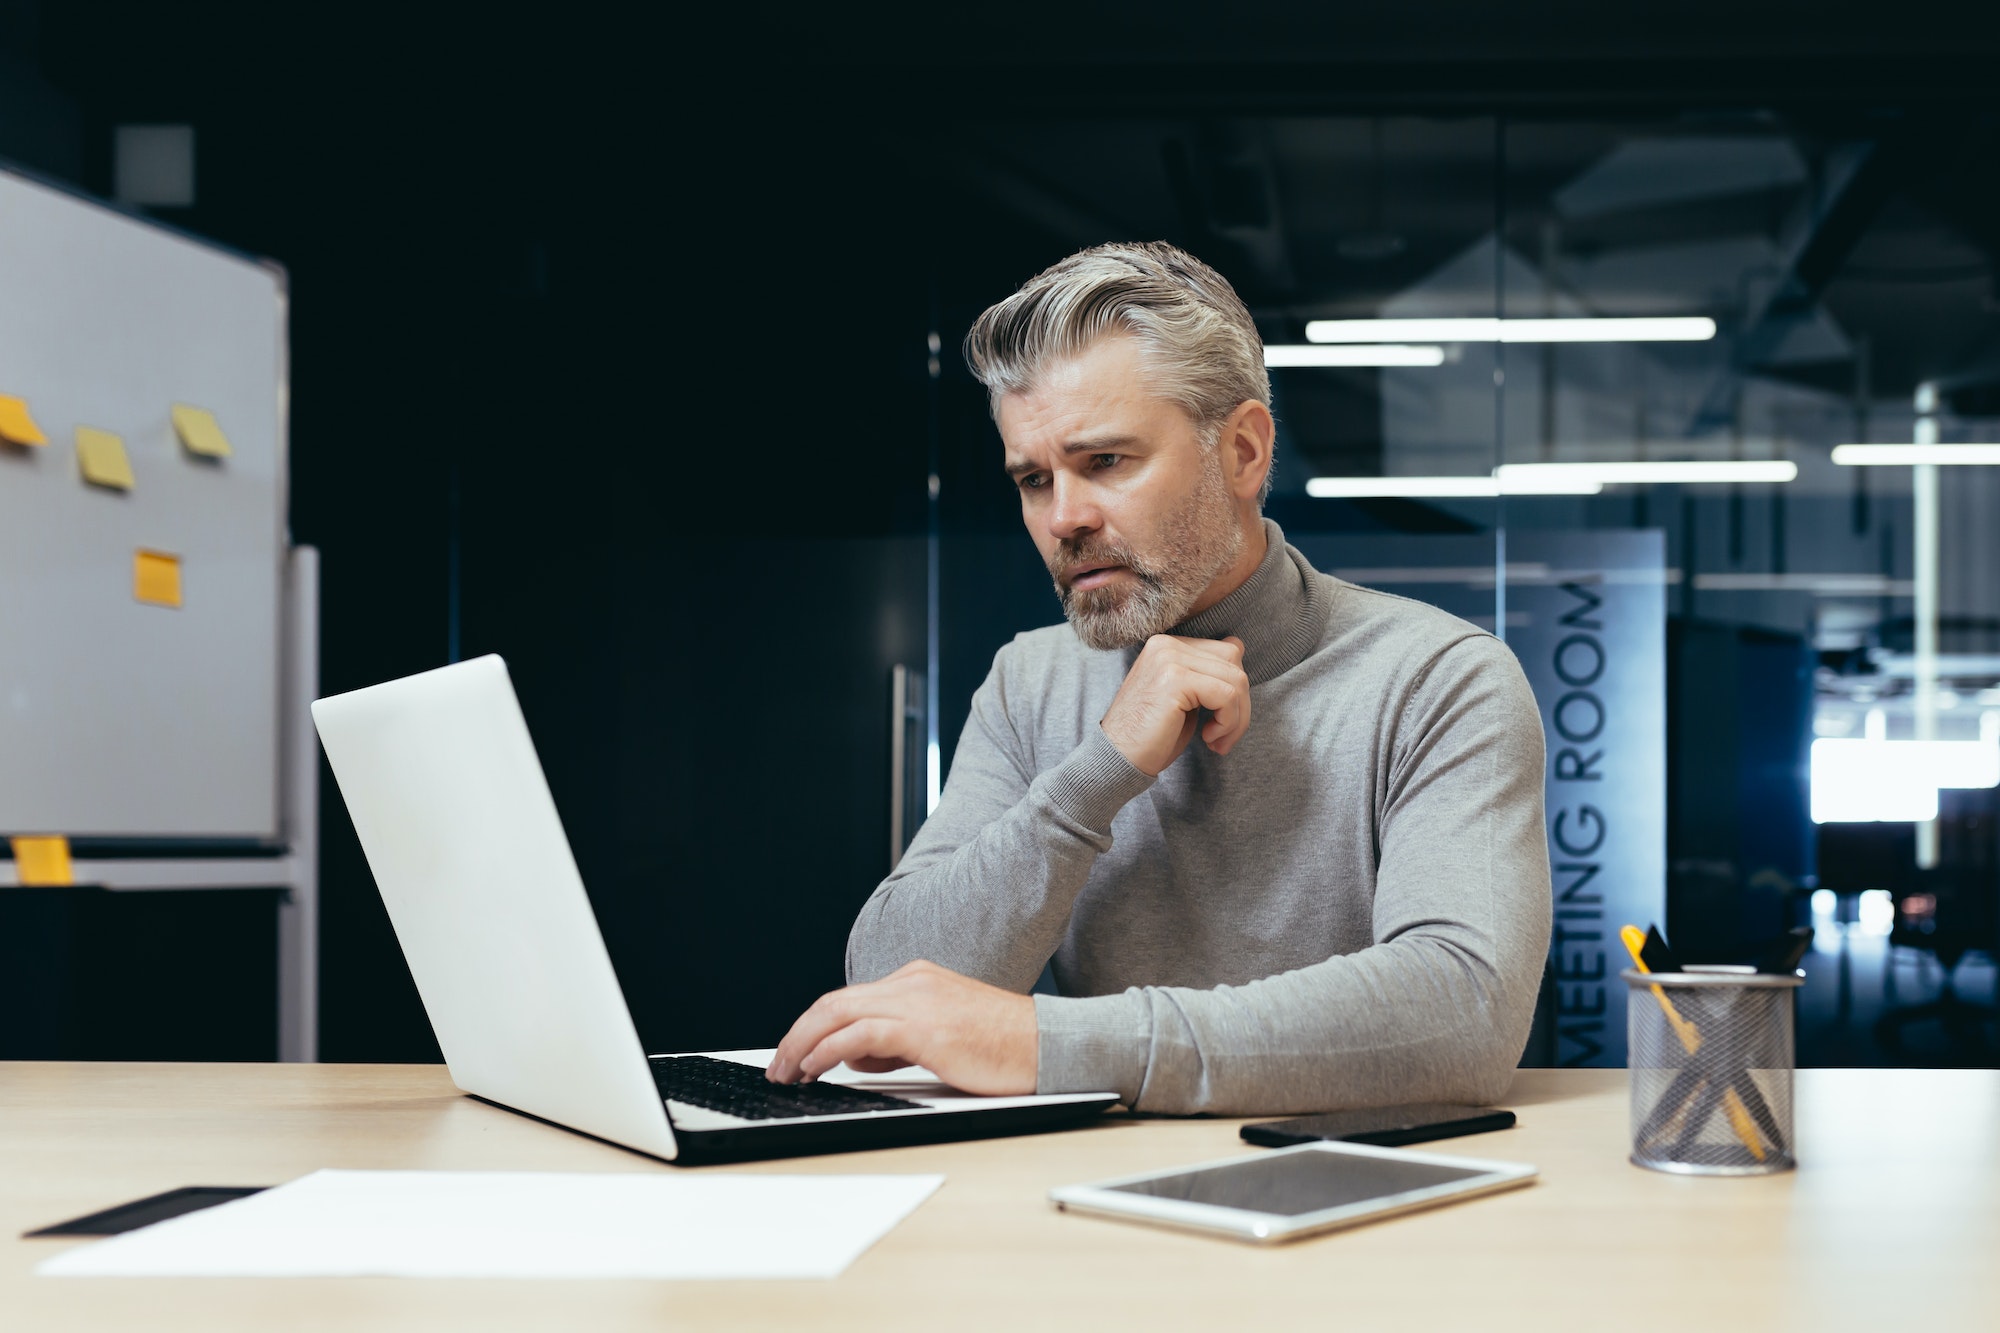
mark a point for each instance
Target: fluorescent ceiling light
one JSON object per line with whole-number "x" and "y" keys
{"x": 1904, "y": 455}
{"x": 1534, "y": 478}
{"x": 1393, "y": 354}
{"x": 1379, "y": 488}
{"x": 1696, "y": 328}
{"x": 1424, "y": 488}
{"x": 1552, "y": 479}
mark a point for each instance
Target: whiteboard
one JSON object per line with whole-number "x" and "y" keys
{"x": 120, "y": 718}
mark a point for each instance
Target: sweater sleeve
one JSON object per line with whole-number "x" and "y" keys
{"x": 1436, "y": 1009}
{"x": 987, "y": 886}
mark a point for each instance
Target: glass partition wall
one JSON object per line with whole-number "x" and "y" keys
{"x": 1833, "y": 735}
{"x": 1601, "y": 387}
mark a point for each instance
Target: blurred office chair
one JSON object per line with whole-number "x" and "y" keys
{"x": 1949, "y": 913}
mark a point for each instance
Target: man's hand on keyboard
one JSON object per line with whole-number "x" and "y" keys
{"x": 976, "y": 1037}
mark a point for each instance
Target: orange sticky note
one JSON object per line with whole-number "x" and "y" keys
{"x": 200, "y": 432}
{"x": 156, "y": 578}
{"x": 42, "y": 863}
{"x": 16, "y": 426}
{"x": 102, "y": 457}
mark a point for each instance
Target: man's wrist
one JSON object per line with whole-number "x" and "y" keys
{"x": 1095, "y": 782}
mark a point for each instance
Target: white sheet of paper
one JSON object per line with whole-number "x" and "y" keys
{"x": 519, "y": 1224}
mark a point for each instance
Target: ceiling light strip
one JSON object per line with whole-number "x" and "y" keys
{"x": 1908, "y": 455}
{"x": 1430, "y": 488}
{"x": 1693, "y": 472}
{"x": 1554, "y": 479}
{"x": 1689, "y": 328}
{"x": 1400, "y": 488}
{"x": 1360, "y": 354}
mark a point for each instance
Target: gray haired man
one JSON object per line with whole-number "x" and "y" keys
{"x": 1279, "y": 836}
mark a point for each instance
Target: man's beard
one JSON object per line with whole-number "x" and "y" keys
{"x": 1197, "y": 543}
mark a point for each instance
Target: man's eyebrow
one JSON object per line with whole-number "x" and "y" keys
{"x": 1094, "y": 444}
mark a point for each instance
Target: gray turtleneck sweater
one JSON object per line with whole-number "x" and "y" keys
{"x": 1351, "y": 908}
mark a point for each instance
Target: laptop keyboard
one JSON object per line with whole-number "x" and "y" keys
{"x": 742, "y": 1090}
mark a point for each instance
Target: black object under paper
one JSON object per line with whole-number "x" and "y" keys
{"x": 144, "y": 1212}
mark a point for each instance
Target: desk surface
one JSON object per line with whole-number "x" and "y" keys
{"x": 1892, "y": 1221}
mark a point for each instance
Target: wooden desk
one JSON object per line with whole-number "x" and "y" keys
{"x": 1893, "y": 1220}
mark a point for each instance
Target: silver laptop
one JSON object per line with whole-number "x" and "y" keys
{"x": 462, "y": 835}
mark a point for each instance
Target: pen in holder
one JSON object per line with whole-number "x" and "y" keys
{"x": 1711, "y": 1059}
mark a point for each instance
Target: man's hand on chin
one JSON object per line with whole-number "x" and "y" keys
{"x": 975, "y": 1037}
{"x": 1158, "y": 708}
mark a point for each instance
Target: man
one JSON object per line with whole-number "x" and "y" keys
{"x": 1279, "y": 836}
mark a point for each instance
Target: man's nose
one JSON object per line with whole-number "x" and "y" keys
{"x": 1073, "y": 510}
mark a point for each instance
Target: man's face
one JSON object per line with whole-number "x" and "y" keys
{"x": 1132, "y": 515}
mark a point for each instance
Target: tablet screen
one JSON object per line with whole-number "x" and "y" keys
{"x": 1288, "y": 1184}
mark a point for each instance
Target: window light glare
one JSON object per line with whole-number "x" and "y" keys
{"x": 1906, "y": 455}
{"x": 1843, "y": 797}
{"x": 1874, "y": 780}
{"x": 1392, "y": 354}
{"x": 1690, "y": 328}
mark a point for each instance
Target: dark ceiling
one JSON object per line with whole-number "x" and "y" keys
{"x": 1330, "y": 216}
{"x": 591, "y": 169}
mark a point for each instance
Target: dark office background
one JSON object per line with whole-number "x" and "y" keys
{"x": 609, "y": 339}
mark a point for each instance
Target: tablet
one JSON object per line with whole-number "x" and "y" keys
{"x": 1293, "y": 1192}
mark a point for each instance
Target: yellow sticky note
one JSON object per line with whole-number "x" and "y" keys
{"x": 16, "y": 426}
{"x": 199, "y": 431}
{"x": 102, "y": 457}
{"x": 156, "y": 578}
{"x": 42, "y": 863}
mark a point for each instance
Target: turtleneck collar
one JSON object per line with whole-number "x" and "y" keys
{"x": 1280, "y": 612}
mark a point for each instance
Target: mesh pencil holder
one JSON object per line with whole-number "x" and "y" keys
{"x": 1711, "y": 1060}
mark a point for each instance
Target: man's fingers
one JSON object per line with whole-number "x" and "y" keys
{"x": 1229, "y": 725}
{"x": 1223, "y": 691}
{"x": 973, "y": 1035}
{"x": 871, "y": 1039}
{"x": 1228, "y": 650}
{"x": 1189, "y": 674}
{"x": 1220, "y": 737}
{"x": 829, "y": 1013}
{"x": 837, "y": 1009}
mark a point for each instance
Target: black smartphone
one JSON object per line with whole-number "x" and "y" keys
{"x": 1385, "y": 1126}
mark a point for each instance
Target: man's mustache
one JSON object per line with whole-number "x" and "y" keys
{"x": 1068, "y": 560}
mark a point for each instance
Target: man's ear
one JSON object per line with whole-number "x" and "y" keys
{"x": 1246, "y": 441}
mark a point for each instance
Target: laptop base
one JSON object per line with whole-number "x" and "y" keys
{"x": 707, "y": 1147}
